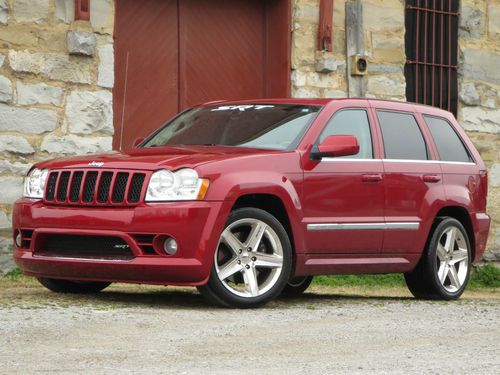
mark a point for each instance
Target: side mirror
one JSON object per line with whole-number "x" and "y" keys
{"x": 336, "y": 145}
{"x": 138, "y": 141}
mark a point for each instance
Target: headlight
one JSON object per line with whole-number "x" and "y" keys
{"x": 34, "y": 183}
{"x": 183, "y": 185}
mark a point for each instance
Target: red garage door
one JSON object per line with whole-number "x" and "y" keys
{"x": 172, "y": 54}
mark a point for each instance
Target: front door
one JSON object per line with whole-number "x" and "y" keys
{"x": 344, "y": 196}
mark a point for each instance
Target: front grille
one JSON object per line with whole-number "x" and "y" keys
{"x": 95, "y": 188}
{"x": 82, "y": 246}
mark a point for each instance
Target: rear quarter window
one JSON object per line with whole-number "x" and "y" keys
{"x": 402, "y": 136}
{"x": 450, "y": 146}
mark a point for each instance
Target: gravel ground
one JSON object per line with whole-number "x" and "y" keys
{"x": 141, "y": 330}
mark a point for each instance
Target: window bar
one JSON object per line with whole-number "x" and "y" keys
{"x": 442, "y": 58}
{"x": 417, "y": 53}
{"x": 424, "y": 96}
{"x": 433, "y": 51}
{"x": 449, "y": 57}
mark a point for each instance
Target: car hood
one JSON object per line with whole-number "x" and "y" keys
{"x": 154, "y": 158}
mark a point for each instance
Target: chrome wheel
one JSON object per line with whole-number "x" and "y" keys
{"x": 249, "y": 258}
{"x": 452, "y": 259}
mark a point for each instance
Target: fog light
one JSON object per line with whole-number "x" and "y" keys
{"x": 19, "y": 239}
{"x": 170, "y": 246}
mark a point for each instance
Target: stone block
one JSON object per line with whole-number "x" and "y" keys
{"x": 386, "y": 86}
{"x": 2, "y": 59}
{"x": 15, "y": 145}
{"x": 4, "y": 12}
{"x": 494, "y": 19}
{"x": 81, "y": 43}
{"x": 389, "y": 15}
{"x": 471, "y": 23}
{"x": 469, "y": 95}
{"x": 388, "y": 48}
{"x": 480, "y": 65}
{"x": 73, "y": 144}
{"x": 14, "y": 168}
{"x": 494, "y": 175}
{"x": 298, "y": 78}
{"x": 56, "y": 66}
{"x": 335, "y": 94}
{"x": 88, "y": 112}
{"x": 11, "y": 188}
{"x": 65, "y": 10}
{"x": 5, "y": 221}
{"x": 106, "y": 76}
{"x": 6, "y": 261}
{"x": 5, "y": 90}
{"x": 328, "y": 65}
{"x": 23, "y": 120}
{"x": 304, "y": 92}
{"x": 306, "y": 13}
{"x": 102, "y": 15}
{"x": 30, "y": 10}
{"x": 40, "y": 93}
{"x": 480, "y": 120}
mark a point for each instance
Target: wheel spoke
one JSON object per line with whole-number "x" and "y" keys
{"x": 255, "y": 235}
{"x": 229, "y": 269}
{"x": 459, "y": 255}
{"x": 443, "y": 272}
{"x": 250, "y": 279}
{"x": 230, "y": 240}
{"x": 453, "y": 275}
{"x": 441, "y": 252}
{"x": 451, "y": 236}
{"x": 268, "y": 260}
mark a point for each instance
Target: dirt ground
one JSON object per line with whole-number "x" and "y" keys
{"x": 155, "y": 330}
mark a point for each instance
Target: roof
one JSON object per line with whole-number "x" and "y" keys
{"x": 318, "y": 101}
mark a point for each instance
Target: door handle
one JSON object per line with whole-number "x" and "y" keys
{"x": 371, "y": 177}
{"x": 431, "y": 178}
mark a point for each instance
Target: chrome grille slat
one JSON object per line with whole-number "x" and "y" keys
{"x": 90, "y": 187}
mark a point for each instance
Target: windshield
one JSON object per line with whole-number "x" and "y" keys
{"x": 271, "y": 126}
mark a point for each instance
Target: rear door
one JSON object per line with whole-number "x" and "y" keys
{"x": 343, "y": 197}
{"x": 412, "y": 180}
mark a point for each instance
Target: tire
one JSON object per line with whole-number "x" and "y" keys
{"x": 252, "y": 262}
{"x": 297, "y": 285}
{"x": 70, "y": 286}
{"x": 444, "y": 269}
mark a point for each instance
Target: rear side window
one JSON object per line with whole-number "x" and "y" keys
{"x": 448, "y": 143}
{"x": 352, "y": 122}
{"x": 402, "y": 136}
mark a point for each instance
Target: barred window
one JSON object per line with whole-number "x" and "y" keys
{"x": 431, "y": 52}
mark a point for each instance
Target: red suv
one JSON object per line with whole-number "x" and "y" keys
{"x": 249, "y": 199}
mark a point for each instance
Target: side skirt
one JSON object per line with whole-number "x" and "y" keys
{"x": 319, "y": 264}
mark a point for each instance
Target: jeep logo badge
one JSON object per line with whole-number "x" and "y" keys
{"x": 96, "y": 164}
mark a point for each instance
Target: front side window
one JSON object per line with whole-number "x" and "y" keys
{"x": 402, "y": 136}
{"x": 269, "y": 126}
{"x": 449, "y": 145}
{"x": 352, "y": 122}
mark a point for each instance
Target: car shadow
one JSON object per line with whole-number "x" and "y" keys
{"x": 185, "y": 299}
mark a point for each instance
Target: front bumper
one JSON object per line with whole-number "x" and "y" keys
{"x": 195, "y": 225}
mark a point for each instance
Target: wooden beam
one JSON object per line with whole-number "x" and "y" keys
{"x": 325, "y": 25}
{"x": 354, "y": 45}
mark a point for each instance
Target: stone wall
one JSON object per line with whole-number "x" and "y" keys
{"x": 56, "y": 77}
{"x": 384, "y": 46}
{"x": 479, "y": 75}
{"x": 479, "y": 93}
